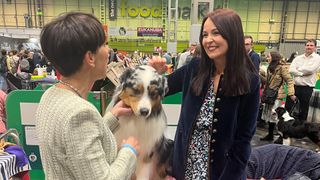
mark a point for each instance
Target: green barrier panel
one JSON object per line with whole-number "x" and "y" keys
{"x": 24, "y": 98}
{"x": 13, "y": 102}
{"x": 173, "y": 99}
{"x": 318, "y": 84}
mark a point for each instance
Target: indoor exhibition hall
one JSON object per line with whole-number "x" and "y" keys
{"x": 160, "y": 90}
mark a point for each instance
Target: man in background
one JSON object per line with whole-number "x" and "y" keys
{"x": 186, "y": 57}
{"x": 248, "y": 42}
{"x": 304, "y": 69}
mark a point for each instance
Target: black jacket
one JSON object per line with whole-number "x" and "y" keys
{"x": 234, "y": 122}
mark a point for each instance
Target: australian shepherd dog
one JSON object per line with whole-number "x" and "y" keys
{"x": 142, "y": 88}
{"x": 290, "y": 127}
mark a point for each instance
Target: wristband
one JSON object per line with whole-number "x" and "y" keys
{"x": 131, "y": 148}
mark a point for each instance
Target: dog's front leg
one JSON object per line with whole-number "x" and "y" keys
{"x": 287, "y": 141}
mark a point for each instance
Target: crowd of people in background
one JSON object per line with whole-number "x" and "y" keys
{"x": 15, "y": 67}
{"x": 218, "y": 78}
{"x": 293, "y": 77}
{"x": 21, "y": 64}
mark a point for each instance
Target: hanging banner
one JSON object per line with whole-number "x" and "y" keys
{"x": 144, "y": 31}
{"x": 121, "y": 31}
{"x": 112, "y": 10}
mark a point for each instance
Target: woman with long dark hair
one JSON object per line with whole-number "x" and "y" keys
{"x": 277, "y": 75}
{"x": 220, "y": 103}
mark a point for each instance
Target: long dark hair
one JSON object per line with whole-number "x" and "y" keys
{"x": 238, "y": 66}
{"x": 292, "y": 56}
{"x": 275, "y": 61}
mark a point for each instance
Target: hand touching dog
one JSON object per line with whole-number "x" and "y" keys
{"x": 121, "y": 109}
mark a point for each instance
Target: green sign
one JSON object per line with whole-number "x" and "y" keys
{"x": 153, "y": 9}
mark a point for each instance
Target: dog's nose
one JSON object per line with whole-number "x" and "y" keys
{"x": 144, "y": 111}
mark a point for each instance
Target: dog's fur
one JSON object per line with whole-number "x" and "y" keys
{"x": 294, "y": 128}
{"x": 142, "y": 88}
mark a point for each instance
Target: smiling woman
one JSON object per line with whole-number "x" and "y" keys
{"x": 220, "y": 103}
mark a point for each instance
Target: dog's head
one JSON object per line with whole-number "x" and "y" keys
{"x": 142, "y": 88}
{"x": 283, "y": 114}
{"x": 280, "y": 112}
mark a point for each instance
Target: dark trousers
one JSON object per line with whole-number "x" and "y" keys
{"x": 303, "y": 94}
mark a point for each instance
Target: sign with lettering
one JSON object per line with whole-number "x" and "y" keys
{"x": 112, "y": 10}
{"x": 148, "y": 9}
{"x": 144, "y": 31}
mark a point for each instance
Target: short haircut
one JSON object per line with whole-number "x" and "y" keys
{"x": 67, "y": 39}
{"x": 311, "y": 40}
{"x": 248, "y": 37}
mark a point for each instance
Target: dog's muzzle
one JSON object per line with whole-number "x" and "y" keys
{"x": 144, "y": 111}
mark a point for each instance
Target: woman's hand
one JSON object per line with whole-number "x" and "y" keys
{"x": 159, "y": 64}
{"x": 121, "y": 109}
{"x": 293, "y": 98}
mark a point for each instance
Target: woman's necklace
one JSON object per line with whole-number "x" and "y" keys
{"x": 70, "y": 86}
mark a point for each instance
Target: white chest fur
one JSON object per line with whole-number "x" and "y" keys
{"x": 147, "y": 131}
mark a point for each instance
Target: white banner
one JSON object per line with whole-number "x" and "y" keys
{"x": 122, "y": 31}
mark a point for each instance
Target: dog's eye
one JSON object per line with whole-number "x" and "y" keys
{"x": 135, "y": 92}
{"x": 153, "y": 94}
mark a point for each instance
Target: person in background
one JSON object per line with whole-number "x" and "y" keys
{"x": 220, "y": 103}
{"x": 114, "y": 57}
{"x": 3, "y": 70}
{"x": 186, "y": 57}
{"x": 168, "y": 57}
{"x": 197, "y": 52}
{"x": 277, "y": 74}
{"x": 304, "y": 69}
{"x": 178, "y": 58}
{"x": 111, "y": 55}
{"x": 255, "y": 58}
{"x": 26, "y": 63}
{"x": 13, "y": 61}
{"x": 36, "y": 58}
{"x": 75, "y": 141}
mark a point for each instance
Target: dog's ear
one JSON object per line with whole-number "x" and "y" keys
{"x": 280, "y": 111}
{"x": 123, "y": 79}
{"x": 126, "y": 75}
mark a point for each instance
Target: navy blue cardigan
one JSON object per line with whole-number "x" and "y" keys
{"x": 234, "y": 122}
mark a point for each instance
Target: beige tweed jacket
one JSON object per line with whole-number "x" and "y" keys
{"x": 76, "y": 142}
{"x": 283, "y": 76}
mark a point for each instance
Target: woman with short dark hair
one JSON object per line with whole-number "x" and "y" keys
{"x": 75, "y": 141}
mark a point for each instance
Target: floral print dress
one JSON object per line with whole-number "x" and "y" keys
{"x": 199, "y": 147}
